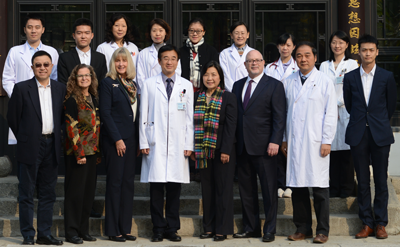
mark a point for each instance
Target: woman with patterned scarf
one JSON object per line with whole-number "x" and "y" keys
{"x": 215, "y": 114}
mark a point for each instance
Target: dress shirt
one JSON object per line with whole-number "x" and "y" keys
{"x": 367, "y": 80}
{"x": 308, "y": 75}
{"x": 46, "y": 107}
{"x": 256, "y": 80}
{"x": 84, "y": 56}
{"x": 164, "y": 79}
{"x": 33, "y": 50}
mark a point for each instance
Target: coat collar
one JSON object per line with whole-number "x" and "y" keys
{"x": 260, "y": 87}
{"x": 154, "y": 55}
{"x": 301, "y": 89}
{"x": 75, "y": 55}
{"x": 235, "y": 54}
{"x": 163, "y": 90}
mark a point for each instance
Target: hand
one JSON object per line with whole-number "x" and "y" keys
{"x": 273, "y": 149}
{"x": 187, "y": 153}
{"x": 98, "y": 160}
{"x": 224, "y": 158}
{"x": 193, "y": 156}
{"x": 284, "y": 148}
{"x": 121, "y": 148}
{"x": 325, "y": 149}
{"x": 145, "y": 151}
{"x": 138, "y": 152}
{"x": 82, "y": 161}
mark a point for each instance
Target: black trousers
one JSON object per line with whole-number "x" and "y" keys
{"x": 79, "y": 187}
{"x": 43, "y": 175}
{"x": 366, "y": 153}
{"x": 302, "y": 216}
{"x": 341, "y": 174}
{"x": 266, "y": 168}
{"x": 119, "y": 186}
{"x": 281, "y": 170}
{"x": 171, "y": 223}
{"x": 217, "y": 194}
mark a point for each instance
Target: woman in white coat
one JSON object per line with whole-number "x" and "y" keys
{"x": 118, "y": 34}
{"x": 341, "y": 163}
{"x": 232, "y": 58}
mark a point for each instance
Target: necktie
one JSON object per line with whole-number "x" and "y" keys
{"x": 303, "y": 79}
{"x": 247, "y": 95}
{"x": 169, "y": 87}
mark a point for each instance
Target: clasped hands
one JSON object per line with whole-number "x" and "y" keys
{"x": 325, "y": 149}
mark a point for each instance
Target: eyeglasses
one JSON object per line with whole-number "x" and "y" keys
{"x": 191, "y": 31}
{"x": 254, "y": 61}
{"x": 39, "y": 65}
{"x": 82, "y": 76}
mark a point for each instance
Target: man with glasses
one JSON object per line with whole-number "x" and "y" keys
{"x": 261, "y": 123}
{"x": 35, "y": 114}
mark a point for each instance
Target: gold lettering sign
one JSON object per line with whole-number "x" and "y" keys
{"x": 353, "y": 17}
{"x": 354, "y": 49}
{"x": 354, "y": 4}
{"x": 354, "y": 32}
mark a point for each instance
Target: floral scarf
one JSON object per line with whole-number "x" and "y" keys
{"x": 194, "y": 62}
{"x": 130, "y": 88}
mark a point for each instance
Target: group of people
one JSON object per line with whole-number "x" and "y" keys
{"x": 222, "y": 111}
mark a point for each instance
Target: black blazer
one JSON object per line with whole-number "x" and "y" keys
{"x": 25, "y": 118}
{"x": 116, "y": 111}
{"x": 264, "y": 119}
{"x": 67, "y": 62}
{"x": 380, "y": 109}
{"x": 227, "y": 122}
{"x": 206, "y": 53}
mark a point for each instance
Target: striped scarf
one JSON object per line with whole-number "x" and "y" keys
{"x": 194, "y": 62}
{"x": 206, "y": 122}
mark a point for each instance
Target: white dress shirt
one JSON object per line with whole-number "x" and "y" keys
{"x": 84, "y": 56}
{"x": 367, "y": 80}
{"x": 46, "y": 108}
{"x": 256, "y": 80}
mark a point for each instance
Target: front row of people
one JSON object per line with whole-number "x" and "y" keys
{"x": 214, "y": 127}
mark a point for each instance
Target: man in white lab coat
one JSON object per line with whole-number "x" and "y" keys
{"x": 18, "y": 63}
{"x": 310, "y": 129}
{"x": 166, "y": 140}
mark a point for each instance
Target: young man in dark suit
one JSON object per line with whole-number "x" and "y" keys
{"x": 82, "y": 53}
{"x": 35, "y": 114}
{"x": 370, "y": 98}
{"x": 261, "y": 123}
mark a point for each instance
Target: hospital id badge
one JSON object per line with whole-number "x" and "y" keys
{"x": 181, "y": 106}
{"x": 339, "y": 80}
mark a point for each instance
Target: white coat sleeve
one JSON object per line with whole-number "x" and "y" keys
{"x": 223, "y": 61}
{"x": 9, "y": 76}
{"x": 331, "y": 113}
{"x": 141, "y": 71}
{"x": 144, "y": 113}
{"x": 189, "y": 138}
{"x": 352, "y": 66}
{"x": 54, "y": 58}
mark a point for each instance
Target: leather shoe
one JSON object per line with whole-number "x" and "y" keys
{"x": 246, "y": 235}
{"x": 320, "y": 239}
{"x": 93, "y": 214}
{"x": 157, "y": 237}
{"x": 219, "y": 238}
{"x": 172, "y": 236}
{"x": 268, "y": 237}
{"x": 381, "y": 232}
{"x": 48, "y": 240}
{"x": 129, "y": 237}
{"x": 74, "y": 240}
{"x": 206, "y": 235}
{"x": 87, "y": 237}
{"x": 28, "y": 240}
{"x": 365, "y": 232}
{"x": 117, "y": 239}
{"x": 299, "y": 236}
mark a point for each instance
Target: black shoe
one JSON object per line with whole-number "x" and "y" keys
{"x": 48, "y": 240}
{"x": 206, "y": 235}
{"x": 268, "y": 237}
{"x": 93, "y": 214}
{"x": 129, "y": 237}
{"x": 74, "y": 240}
{"x": 117, "y": 239}
{"x": 29, "y": 240}
{"x": 172, "y": 236}
{"x": 247, "y": 235}
{"x": 87, "y": 237}
{"x": 157, "y": 237}
{"x": 219, "y": 238}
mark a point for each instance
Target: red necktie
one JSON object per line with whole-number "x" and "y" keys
{"x": 247, "y": 95}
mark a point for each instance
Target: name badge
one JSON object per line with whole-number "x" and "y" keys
{"x": 339, "y": 80}
{"x": 181, "y": 106}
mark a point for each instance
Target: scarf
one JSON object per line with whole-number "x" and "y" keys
{"x": 206, "y": 122}
{"x": 194, "y": 62}
{"x": 129, "y": 87}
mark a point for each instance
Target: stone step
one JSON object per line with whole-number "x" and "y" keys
{"x": 190, "y": 205}
{"x": 340, "y": 225}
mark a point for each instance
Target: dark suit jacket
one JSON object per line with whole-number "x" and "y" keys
{"x": 67, "y": 62}
{"x": 206, "y": 53}
{"x": 116, "y": 111}
{"x": 264, "y": 119}
{"x": 25, "y": 118}
{"x": 227, "y": 122}
{"x": 381, "y": 106}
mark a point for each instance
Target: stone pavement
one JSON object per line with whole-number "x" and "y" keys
{"x": 342, "y": 241}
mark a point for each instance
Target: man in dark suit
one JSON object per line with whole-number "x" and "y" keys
{"x": 35, "y": 114}
{"x": 82, "y": 53}
{"x": 261, "y": 123}
{"x": 370, "y": 98}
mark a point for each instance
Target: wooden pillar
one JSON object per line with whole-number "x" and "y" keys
{"x": 3, "y": 41}
{"x": 351, "y": 19}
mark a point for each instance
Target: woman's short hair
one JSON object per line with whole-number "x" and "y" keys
{"x": 197, "y": 20}
{"x": 238, "y": 23}
{"x": 216, "y": 65}
{"x": 109, "y": 37}
{"x": 163, "y": 24}
{"x": 130, "y": 70}
{"x": 73, "y": 87}
{"x": 284, "y": 37}
{"x": 343, "y": 36}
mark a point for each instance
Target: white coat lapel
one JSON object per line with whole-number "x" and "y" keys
{"x": 26, "y": 55}
{"x": 176, "y": 88}
{"x": 242, "y": 58}
{"x": 161, "y": 86}
{"x": 154, "y": 54}
{"x": 307, "y": 84}
{"x": 235, "y": 54}
{"x": 290, "y": 70}
{"x": 279, "y": 69}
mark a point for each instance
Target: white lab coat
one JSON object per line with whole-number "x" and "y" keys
{"x": 276, "y": 71}
{"x": 166, "y": 131}
{"x": 233, "y": 65}
{"x": 17, "y": 68}
{"x": 311, "y": 121}
{"x": 108, "y": 49}
{"x": 148, "y": 66}
{"x": 344, "y": 67}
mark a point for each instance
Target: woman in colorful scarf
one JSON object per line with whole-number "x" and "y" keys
{"x": 215, "y": 114}
{"x": 82, "y": 123}
{"x": 120, "y": 132}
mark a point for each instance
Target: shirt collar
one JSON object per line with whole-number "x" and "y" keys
{"x": 81, "y": 53}
{"x": 40, "y": 85}
{"x": 243, "y": 48}
{"x": 255, "y": 79}
{"x": 308, "y": 75}
{"x": 31, "y": 48}
{"x": 164, "y": 77}
{"x": 362, "y": 72}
